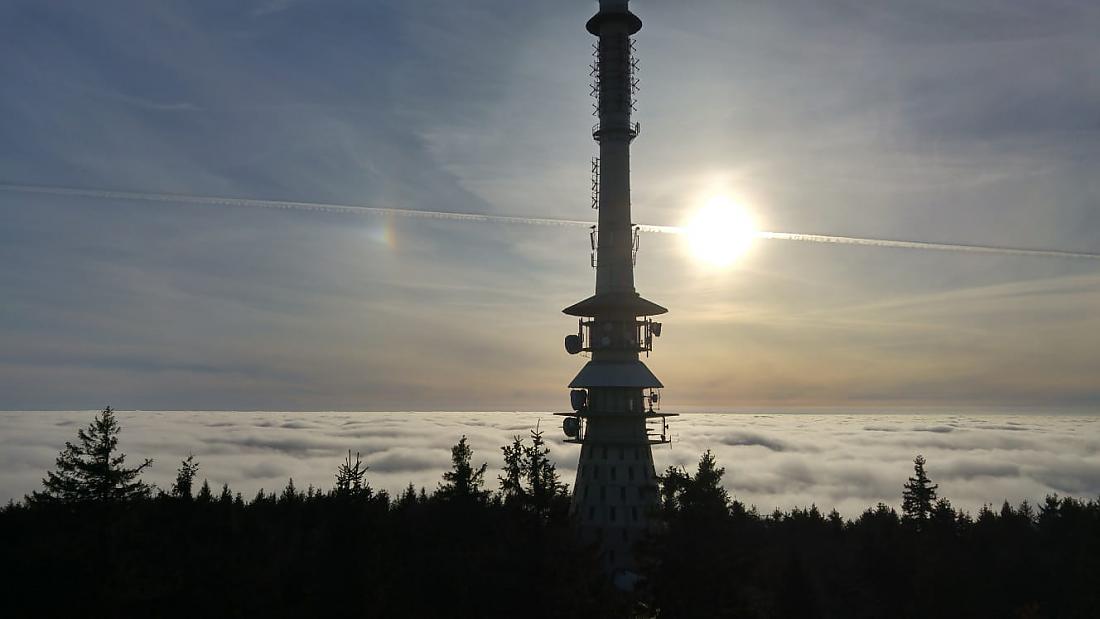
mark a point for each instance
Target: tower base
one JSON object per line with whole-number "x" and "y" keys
{"x": 615, "y": 497}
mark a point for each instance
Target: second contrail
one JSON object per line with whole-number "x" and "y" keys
{"x": 353, "y": 209}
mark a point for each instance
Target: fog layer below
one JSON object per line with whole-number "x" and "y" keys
{"x": 847, "y": 462}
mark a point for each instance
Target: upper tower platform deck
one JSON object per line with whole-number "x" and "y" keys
{"x": 614, "y": 11}
{"x": 615, "y": 302}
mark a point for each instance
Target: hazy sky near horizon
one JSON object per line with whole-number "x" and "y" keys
{"x": 964, "y": 121}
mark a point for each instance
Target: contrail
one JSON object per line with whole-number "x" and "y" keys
{"x": 975, "y": 249}
{"x": 897, "y": 243}
{"x": 354, "y": 209}
{"x": 351, "y": 209}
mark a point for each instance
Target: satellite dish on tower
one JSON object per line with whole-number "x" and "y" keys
{"x": 573, "y": 344}
{"x": 571, "y": 426}
{"x": 579, "y": 399}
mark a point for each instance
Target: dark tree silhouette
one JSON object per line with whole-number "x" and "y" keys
{"x": 542, "y": 476}
{"x": 185, "y": 477}
{"x": 701, "y": 493}
{"x": 463, "y": 481}
{"x": 919, "y": 495}
{"x": 407, "y": 498}
{"x": 678, "y": 560}
{"x": 943, "y": 516}
{"x": 511, "y": 482}
{"x": 530, "y": 478}
{"x": 205, "y": 494}
{"x": 291, "y": 494}
{"x": 314, "y": 553}
{"x": 226, "y": 496}
{"x": 92, "y": 471}
{"x": 349, "y": 478}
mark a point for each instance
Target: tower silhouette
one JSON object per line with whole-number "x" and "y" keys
{"x": 614, "y": 397}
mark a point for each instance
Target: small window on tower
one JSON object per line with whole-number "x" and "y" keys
{"x": 591, "y": 513}
{"x": 611, "y": 514}
{"x": 622, "y": 493}
{"x": 630, "y": 473}
{"x": 612, "y": 472}
{"x": 603, "y": 452}
{"x": 634, "y": 513}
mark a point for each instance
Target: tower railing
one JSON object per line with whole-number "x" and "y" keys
{"x": 632, "y": 129}
{"x": 618, "y": 336}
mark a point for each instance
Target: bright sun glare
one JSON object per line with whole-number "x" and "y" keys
{"x": 720, "y": 232}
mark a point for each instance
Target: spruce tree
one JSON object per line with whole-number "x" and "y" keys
{"x": 463, "y": 481}
{"x": 701, "y": 494}
{"x": 290, "y": 495}
{"x": 511, "y": 482}
{"x": 530, "y": 478}
{"x": 407, "y": 498}
{"x": 705, "y": 492}
{"x": 542, "y": 475}
{"x": 672, "y": 485}
{"x": 205, "y": 495}
{"x": 185, "y": 477}
{"x": 226, "y": 496}
{"x": 919, "y": 494}
{"x": 349, "y": 477}
{"x": 92, "y": 471}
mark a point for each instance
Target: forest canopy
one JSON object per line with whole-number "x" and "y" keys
{"x": 98, "y": 541}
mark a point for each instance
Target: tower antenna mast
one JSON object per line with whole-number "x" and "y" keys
{"x": 614, "y": 396}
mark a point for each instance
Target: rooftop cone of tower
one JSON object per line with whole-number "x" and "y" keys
{"x": 615, "y": 415}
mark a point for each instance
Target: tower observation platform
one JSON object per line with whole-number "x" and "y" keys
{"x": 615, "y": 398}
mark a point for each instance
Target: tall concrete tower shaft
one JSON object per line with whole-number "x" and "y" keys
{"x": 614, "y": 396}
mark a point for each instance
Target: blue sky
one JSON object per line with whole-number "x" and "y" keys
{"x": 943, "y": 121}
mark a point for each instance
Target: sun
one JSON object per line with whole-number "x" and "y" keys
{"x": 720, "y": 232}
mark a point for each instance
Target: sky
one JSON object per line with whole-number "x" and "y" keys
{"x": 960, "y": 122}
{"x": 847, "y": 462}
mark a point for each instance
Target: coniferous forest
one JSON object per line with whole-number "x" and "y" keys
{"x": 96, "y": 541}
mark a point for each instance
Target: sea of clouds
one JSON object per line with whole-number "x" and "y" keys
{"x": 842, "y": 461}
